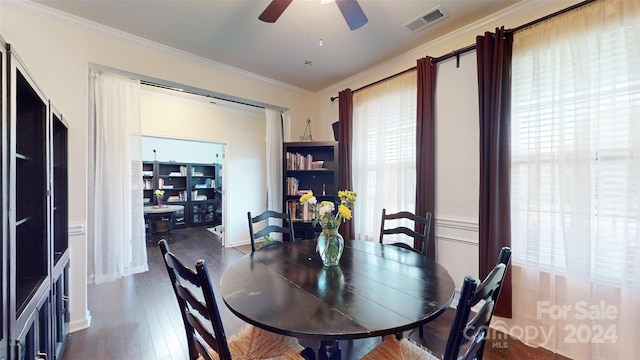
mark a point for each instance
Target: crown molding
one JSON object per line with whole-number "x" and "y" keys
{"x": 78, "y": 22}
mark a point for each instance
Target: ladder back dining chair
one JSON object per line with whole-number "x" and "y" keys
{"x": 468, "y": 332}
{"x": 272, "y": 222}
{"x": 395, "y": 224}
{"x": 200, "y": 313}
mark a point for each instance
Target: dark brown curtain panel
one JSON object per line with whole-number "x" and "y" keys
{"x": 494, "y": 92}
{"x": 345, "y": 134}
{"x": 426, "y": 145}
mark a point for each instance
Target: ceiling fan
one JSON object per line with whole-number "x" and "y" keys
{"x": 350, "y": 9}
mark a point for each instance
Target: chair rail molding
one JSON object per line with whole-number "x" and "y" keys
{"x": 452, "y": 229}
{"x": 457, "y": 223}
{"x": 77, "y": 228}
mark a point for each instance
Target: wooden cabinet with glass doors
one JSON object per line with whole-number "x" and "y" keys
{"x": 34, "y": 257}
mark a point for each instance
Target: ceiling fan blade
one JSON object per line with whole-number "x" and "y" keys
{"x": 274, "y": 10}
{"x": 352, "y": 12}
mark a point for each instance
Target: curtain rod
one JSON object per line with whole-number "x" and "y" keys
{"x": 472, "y": 47}
{"x": 168, "y": 87}
{"x": 456, "y": 53}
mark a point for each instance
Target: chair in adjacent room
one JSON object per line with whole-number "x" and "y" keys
{"x": 200, "y": 315}
{"x": 468, "y": 331}
{"x": 276, "y": 227}
{"x": 392, "y": 224}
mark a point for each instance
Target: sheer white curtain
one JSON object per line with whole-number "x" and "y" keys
{"x": 116, "y": 222}
{"x": 384, "y": 152}
{"x": 576, "y": 182}
{"x": 274, "y": 159}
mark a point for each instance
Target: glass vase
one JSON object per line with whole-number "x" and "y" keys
{"x": 330, "y": 245}
{"x": 160, "y": 202}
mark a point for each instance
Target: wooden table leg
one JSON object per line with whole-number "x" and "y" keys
{"x": 329, "y": 350}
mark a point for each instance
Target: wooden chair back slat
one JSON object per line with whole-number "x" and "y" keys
{"x": 473, "y": 330}
{"x": 286, "y": 229}
{"x": 419, "y": 233}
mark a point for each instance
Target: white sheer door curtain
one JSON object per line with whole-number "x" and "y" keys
{"x": 274, "y": 139}
{"x": 116, "y": 236}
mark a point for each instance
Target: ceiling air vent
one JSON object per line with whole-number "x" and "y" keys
{"x": 427, "y": 19}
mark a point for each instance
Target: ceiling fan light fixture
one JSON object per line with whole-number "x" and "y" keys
{"x": 274, "y": 10}
{"x": 350, "y": 9}
{"x": 352, "y": 13}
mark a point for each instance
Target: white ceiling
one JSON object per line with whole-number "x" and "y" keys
{"x": 229, "y": 32}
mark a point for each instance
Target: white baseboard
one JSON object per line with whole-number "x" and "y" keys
{"x": 80, "y": 324}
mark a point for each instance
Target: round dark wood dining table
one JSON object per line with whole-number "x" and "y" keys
{"x": 375, "y": 291}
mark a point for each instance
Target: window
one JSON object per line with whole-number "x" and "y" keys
{"x": 384, "y": 151}
{"x": 576, "y": 150}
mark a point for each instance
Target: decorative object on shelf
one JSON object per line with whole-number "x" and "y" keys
{"x": 307, "y": 132}
{"x": 159, "y": 197}
{"x": 330, "y": 243}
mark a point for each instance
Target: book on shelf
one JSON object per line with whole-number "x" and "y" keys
{"x": 297, "y": 161}
{"x": 299, "y": 212}
{"x": 167, "y": 186}
{"x": 204, "y": 186}
{"x": 160, "y": 183}
{"x": 197, "y": 197}
{"x": 182, "y": 171}
{"x": 181, "y": 196}
{"x": 292, "y": 186}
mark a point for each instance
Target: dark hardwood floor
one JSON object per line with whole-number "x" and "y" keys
{"x": 137, "y": 317}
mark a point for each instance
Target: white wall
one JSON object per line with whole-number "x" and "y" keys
{"x": 457, "y": 167}
{"x": 243, "y": 130}
{"x": 171, "y": 149}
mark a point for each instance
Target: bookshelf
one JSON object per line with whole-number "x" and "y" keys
{"x": 205, "y": 196}
{"x": 308, "y": 166}
{"x": 148, "y": 182}
{"x": 195, "y": 186}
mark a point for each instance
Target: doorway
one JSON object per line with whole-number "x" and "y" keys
{"x": 172, "y": 114}
{"x": 202, "y": 183}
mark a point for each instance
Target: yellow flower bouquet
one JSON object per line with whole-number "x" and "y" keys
{"x": 159, "y": 197}
{"x": 330, "y": 242}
